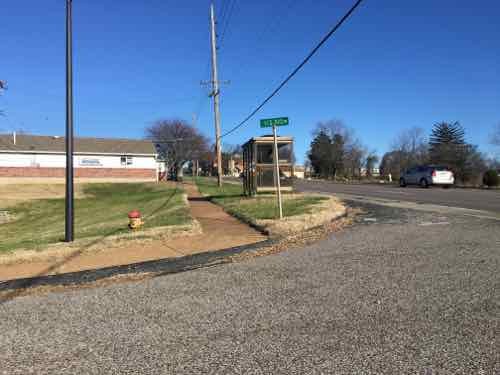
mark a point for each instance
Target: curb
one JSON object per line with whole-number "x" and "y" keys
{"x": 160, "y": 266}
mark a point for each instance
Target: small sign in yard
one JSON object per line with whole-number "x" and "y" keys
{"x": 270, "y": 122}
{"x": 4, "y": 217}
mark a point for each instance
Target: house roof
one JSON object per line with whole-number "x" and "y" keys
{"x": 54, "y": 144}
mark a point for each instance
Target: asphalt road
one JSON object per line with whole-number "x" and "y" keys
{"x": 399, "y": 292}
{"x": 485, "y": 200}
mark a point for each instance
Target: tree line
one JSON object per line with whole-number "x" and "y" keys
{"x": 445, "y": 146}
{"x": 336, "y": 153}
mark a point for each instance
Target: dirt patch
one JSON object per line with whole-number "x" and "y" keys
{"x": 290, "y": 243}
{"x": 12, "y": 194}
{"x": 301, "y": 239}
{"x": 62, "y": 250}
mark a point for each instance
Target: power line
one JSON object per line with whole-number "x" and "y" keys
{"x": 228, "y": 21}
{"x": 203, "y": 94}
{"x": 223, "y": 11}
{"x": 296, "y": 70}
{"x": 269, "y": 26}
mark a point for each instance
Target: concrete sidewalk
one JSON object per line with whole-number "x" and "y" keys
{"x": 219, "y": 231}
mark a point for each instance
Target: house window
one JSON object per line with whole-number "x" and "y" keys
{"x": 126, "y": 160}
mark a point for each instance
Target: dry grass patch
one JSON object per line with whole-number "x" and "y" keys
{"x": 100, "y": 212}
{"x": 325, "y": 211}
{"x": 12, "y": 194}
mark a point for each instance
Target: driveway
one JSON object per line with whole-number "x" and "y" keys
{"x": 399, "y": 292}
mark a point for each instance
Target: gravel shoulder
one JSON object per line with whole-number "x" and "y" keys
{"x": 400, "y": 292}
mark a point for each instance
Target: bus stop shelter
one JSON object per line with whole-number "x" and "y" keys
{"x": 258, "y": 164}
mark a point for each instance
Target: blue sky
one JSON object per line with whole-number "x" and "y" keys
{"x": 394, "y": 64}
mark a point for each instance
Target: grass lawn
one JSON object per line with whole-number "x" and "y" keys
{"x": 102, "y": 211}
{"x": 231, "y": 197}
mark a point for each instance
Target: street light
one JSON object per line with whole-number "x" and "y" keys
{"x": 69, "y": 219}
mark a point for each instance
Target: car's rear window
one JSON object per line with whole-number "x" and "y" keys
{"x": 439, "y": 168}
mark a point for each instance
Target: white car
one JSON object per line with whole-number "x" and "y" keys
{"x": 426, "y": 175}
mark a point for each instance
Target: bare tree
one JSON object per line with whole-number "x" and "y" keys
{"x": 177, "y": 142}
{"x": 413, "y": 144}
{"x": 408, "y": 149}
{"x": 354, "y": 159}
{"x": 412, "y": 147}
{"x": 336, "y": 127}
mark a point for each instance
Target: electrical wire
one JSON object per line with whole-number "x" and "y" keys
{"x": 269, "y": 27}
{"x": 297, "y": 69}
{"x": 223, "y": 11}
{"x": 203, "y": 95}
{"x": 228, "y": 21}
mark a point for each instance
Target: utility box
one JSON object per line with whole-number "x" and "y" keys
{"x": 258, "y": 164}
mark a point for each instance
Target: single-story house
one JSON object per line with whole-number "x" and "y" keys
{"x": 24, "y": 155}
{"x": 375, "y": 172}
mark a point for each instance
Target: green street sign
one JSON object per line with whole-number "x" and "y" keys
{"x": 270, "y": 122}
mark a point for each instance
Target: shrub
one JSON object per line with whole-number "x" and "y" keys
{"x": 491, "y": 178}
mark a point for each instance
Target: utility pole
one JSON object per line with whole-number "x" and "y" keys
{"x": 215, "y": 94}
{"x": 69, "y": 219}
{"x": 195, "y": 162}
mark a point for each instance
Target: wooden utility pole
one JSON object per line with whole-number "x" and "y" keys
{"x": 215, "y": 95}
{"x": 195, "y": 162}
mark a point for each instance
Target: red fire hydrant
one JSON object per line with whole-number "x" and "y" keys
{"x": 135, "y": 220}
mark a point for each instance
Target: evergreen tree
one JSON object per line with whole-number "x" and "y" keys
{"x": 447, "y": 143}
{"x": 320, "y": 154}
{"x": 446, "y": 133}
{"x": 448, "y": 147}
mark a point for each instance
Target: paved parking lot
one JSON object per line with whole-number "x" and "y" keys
{"x": 476, "y": 199}
{"x": 400, "y": 292}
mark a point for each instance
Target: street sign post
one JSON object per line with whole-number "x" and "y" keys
{"x": 274, "y": 122}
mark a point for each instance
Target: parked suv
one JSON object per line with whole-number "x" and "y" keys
{"x": 426, "y": 175}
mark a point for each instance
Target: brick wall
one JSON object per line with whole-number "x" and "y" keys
{"x": 79, "y": 172}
